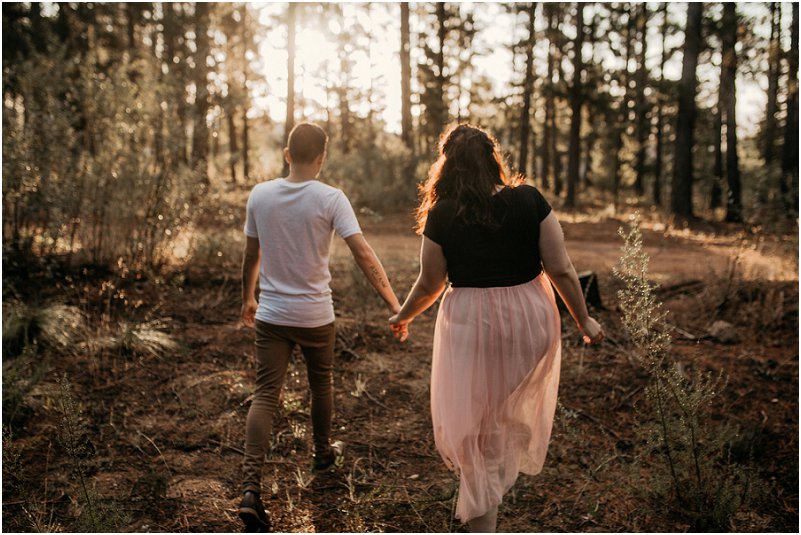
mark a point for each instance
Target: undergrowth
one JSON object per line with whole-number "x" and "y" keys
{"x": 694, "y": 472}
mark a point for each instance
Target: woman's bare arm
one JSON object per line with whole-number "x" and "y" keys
{"x": 560, "y": 270}
{"x": 426, "y": 289}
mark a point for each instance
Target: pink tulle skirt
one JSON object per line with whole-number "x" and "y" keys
{"x": 494, "y": 380}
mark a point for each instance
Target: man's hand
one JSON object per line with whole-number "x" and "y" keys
{"x": 249, "y": 313}
{"x": 592, "y": 331}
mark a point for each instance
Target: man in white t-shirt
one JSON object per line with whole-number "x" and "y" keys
{"x": 289, "y": 227}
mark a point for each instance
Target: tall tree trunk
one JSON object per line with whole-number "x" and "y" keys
{"x": 640, "y": 102}
{"x": 289, "y": 123}
{"x": 790, "y": 150}
{"x": 406, "y": 78}
{"x": 576, "y": 97}
{"x": 200, "y": 138}
{"x": 441, "y": 115}
{"x": 716, "y": 194}
{"x": 131, "y": 15}
{"x": 246, "y": 92}
{"x": 774, "y": 70}
{"x": 587, "y": 177}
{"x": 233, "y": 149}
{"x": 557, "y": 157}
{"x": 245, "y": 146}
{"x": 528, "y": 87}
{"x": 548, "y": 87}
{"x": 734, "y": 205}
{"x": 660, "y": 118}
{"x": 344, "y": 103}
{"x": 681, "y": 195}
{"x": 624, "y": 119}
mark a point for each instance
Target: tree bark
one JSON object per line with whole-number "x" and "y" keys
{"x": 246, "y": 104}
{"x": 660, "y": 119}
{"x": 576, "y": 97}
{"x": 200, "y": 137}
{"x": 774, "y": 70}
{"x": 289, "y": 123}
{"x": 406, "y": 78}
{"x": 790, "y": 150}
{"x": 681, "y": 195}
{"x": 623, "y": 119}
{"x": 727, "y": 81}
{"x": 640, "y": 102}
{"x": 233, "y": 149}
{"x": 716, "y": 194}
{"x": 528, "y": 87}
{"x": 439, "y": 59}
{"x": 547, "y": 128}
{"x": 557, "y": 158}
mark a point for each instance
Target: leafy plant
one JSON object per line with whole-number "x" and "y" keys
{"x": 97, "y": 515}
{"x": 697, "y": 475}
{"x": 139, "y": 339}
{"x": 55, "y": 325}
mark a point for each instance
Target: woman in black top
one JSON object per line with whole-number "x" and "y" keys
{"x": 497, "y": 349}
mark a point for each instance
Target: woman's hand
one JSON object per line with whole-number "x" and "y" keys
{"x": 400, "y": 328}
{"x": 592, "y": 330}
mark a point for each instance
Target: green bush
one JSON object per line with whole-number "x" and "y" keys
{"x": 89, "y": 169}
{"x": 695, "y": 474}
{"x": 380, "y": 172}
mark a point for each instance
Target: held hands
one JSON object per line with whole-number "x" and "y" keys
{"x": 592, "y": 330}
{"x": 400, "y": 328}
{"x": 249, "y": 312}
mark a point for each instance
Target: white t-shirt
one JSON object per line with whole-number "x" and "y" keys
{"x": 295, "y": 224}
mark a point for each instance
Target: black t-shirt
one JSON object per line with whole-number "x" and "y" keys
{"x": 483, "y": 257}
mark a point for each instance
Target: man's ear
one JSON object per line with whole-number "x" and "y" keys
{"x": 321, "y": 159}
{"x": 287, "y": 156}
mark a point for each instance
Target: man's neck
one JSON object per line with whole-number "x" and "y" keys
{"x": 300, "y": 175}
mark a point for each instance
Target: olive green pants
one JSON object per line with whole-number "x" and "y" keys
{"x": 274, "y": 345}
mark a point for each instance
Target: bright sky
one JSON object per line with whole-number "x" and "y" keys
{"x": 380, "y": 68}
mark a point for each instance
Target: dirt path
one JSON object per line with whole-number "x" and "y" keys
{"x": 168, "y": 432}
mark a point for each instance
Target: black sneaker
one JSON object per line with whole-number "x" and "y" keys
{"x": 252, "y": 513}
{"x": 334, "y": 459}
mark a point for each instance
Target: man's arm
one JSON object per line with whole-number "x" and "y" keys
{"x": 371, "y": 266}
{"x": 250, "y": 275}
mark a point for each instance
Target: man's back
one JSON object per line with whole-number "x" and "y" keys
{"x": 294, "y": 223}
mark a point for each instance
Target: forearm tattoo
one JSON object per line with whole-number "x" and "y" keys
{"x": 378, "y": 277}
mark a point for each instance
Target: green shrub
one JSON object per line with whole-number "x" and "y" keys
{"x": 379, "y": 172}
{"x": 695, "y": 474}
{"x": 90, "y": 172}
{"x": 56, "y": 326}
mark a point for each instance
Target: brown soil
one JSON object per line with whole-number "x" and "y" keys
{"x": 165, "y": 434}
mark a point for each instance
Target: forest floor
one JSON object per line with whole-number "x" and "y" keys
{"x": 164, "y": 434}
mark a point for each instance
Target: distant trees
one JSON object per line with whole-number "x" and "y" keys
{"x": 289, "y": 123}
{"x": 588, "y": 106}
{"x": 200, "y": 131}
{"x": 774, "y": 70}
{"x": 576, "y": 101}
{"x": 406, "y": 77}
{"x": 528, "y": 88}
{"x": 681, "y": 195}
{"x": 790, "y": 151}
{"x": 728, "y": 74}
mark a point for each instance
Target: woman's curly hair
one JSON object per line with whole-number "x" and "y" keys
{"x": 469, "y": 170}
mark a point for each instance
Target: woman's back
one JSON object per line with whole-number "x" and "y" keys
{"x": 480, "y": 256}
